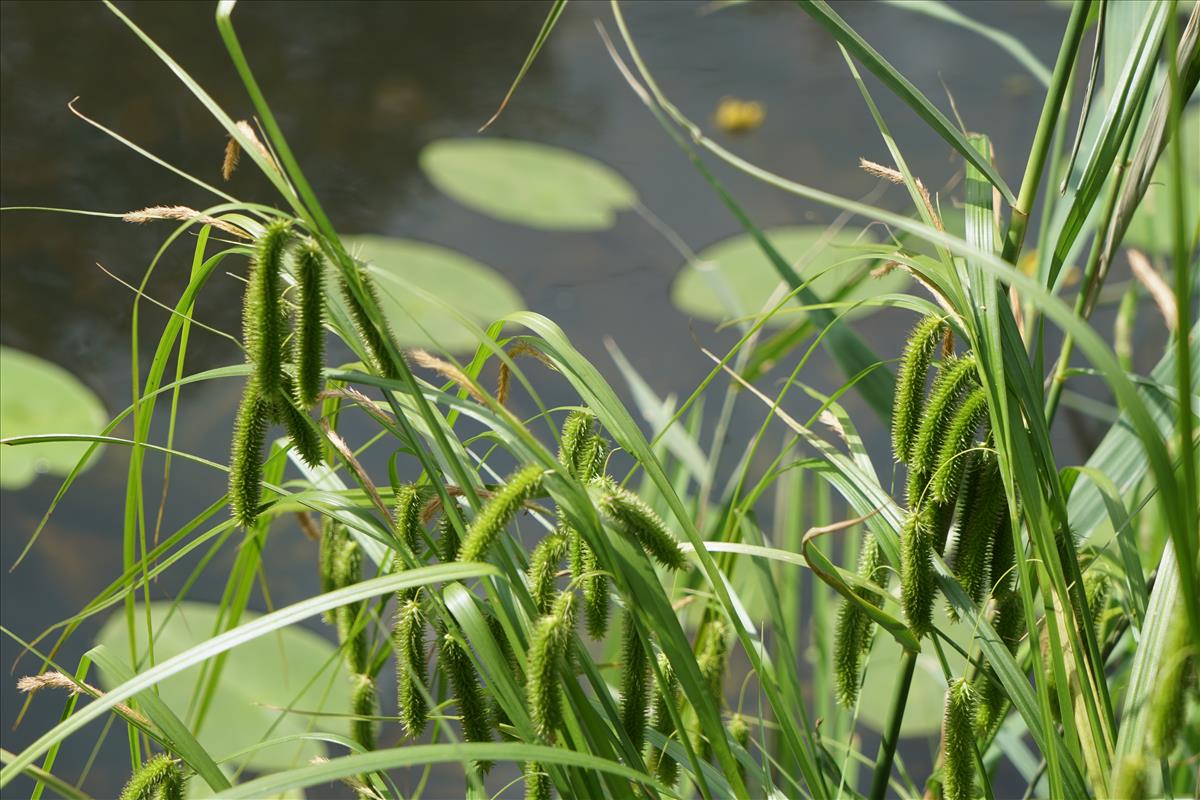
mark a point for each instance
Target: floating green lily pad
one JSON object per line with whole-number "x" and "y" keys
{"x": 528, "y": 183}
{"x": 260, "y": 677}
{"x": 750, "y": 278}
{"x": 1152, "y": 228}
{"x": 40, "y": 397}
{"x": 472, "y": 289}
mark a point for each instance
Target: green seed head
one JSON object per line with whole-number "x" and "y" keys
{"x": 306, "y": 440}
{"x": 499, "y": 511}
{"x": 410, "y": 500}
{"x": 910, "y": 384}
{"x": 952, "y": 457}
{"x": 374, "y": 337}
{"x": 630, "y": 514}
{"x": 666, "y": 696}
{"x": 537, "y": 782}
{"x": 152, "y": 779}
{"x": 543, "y": 568}
{"x": 310, "y": 331}
{"x": 456, "y": 664}
{"x": 1169, "y": 699}
{"x": 582, "y": 451}
{"x": 347, "y": 570}
{"x": 264, "y": 318}
{"x": 408, "y": 639}
{"x": 548, "y": 647}
{"x": 448, "y": 543}
{"x": 981, "y": 506}
{"x": 246, "y": 460}
{"x": 634, "y": 675}
{"x": 854, "y": 628}
{"x": 958, "y": 739}
{"x": 364, "y": 705}
{"x": 954, "y": 377}
{"x": 739, "y": 731}
{"x": 917, "y": 586}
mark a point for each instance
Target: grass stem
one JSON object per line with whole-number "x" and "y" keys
{"x": 887, "y": 747}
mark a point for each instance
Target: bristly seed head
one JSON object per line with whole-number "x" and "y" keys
{"x": 958, "y": 739}
{"x": 910, "y": 384}
{"x": 499, "y": 511}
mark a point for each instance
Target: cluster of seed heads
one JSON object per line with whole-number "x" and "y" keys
{"x": 285, "y": 364}
{"x": 957, "y": 507}
{"x": 160, "y": 778}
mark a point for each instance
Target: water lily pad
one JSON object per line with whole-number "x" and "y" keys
{"x": 473, "y": 289}
{"x": 748, "y": 277}
{"x": 259, "y": 678}
{"x": 528, "y": 183}
{"x": 39, "y": 397}
{"x": 1152, "y": 228}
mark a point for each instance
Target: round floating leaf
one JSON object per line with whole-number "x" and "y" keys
{"x": 736, "y": 271}
{"x": 528, "y": 183}
{"x": 39, "y": 397}
{"x": 1152, "y": 228}
{"x": 472, "y": 289}
{"x": 260, "y": 678}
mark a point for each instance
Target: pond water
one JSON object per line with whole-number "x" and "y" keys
{"x": 359, "y": 88}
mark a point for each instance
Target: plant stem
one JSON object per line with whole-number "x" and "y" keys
{"x": 887, "y": 747}
{"x": 1063, "y": 70}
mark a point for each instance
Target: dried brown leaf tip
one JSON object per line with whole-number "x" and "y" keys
{"x": 233, "y": 154}
{"x": 449, "y": 371}
{"x": 892, "y": 175}
{"x": 1150, "y": 278}
{"x": 31, "y": 684}
{"x": 183, "y": 213}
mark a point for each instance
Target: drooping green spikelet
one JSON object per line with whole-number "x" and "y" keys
{"x": 306, "y": 440}
{"x": 666, "y": 695}
{"x": 347, "y": 570}
{"x": 910, "y": 384}
{"x": 310, "y": 331}
{"x": 955, "y": 375}
{"x": 1002, "y": 571}
{"x": 1130, "y": 782}
{"x": 980, "y": 509}
{"x": 543, "y": 568}
{"x": 635, "y": 668}
{"x": 1096, "y": 587}
{"x": 577, "y": 429}
{"x": 246, "y": 460}
{"x": 151, "y": 779}
{"x": 958, "y": 740}
{"x": 739, "y": 731}
{"x": 711, "y": 660}
{"x": 464, "y": 679}
{"x": 551, "y": 638}
{"x": 363, "y": 703}
{"x": 372, "y": 336}
{"x": 917, "y": 585}
{"x": 264, "y": 322}
{"x": 1164, "y": 718}
{"x": 1009, "y": 621}
{"x": 952, "y": 457}
{"x": 408, "y": 640}
{"x": 410, "y": 500}
{"x": 485, "y": 529}
{"x": 448, "y": 543}
{"x": 333, "y": 535}
{"x": 585, "y": 570}
{"x": 853, "y": 633}
{"x": 630, "y": 514}
{"x": 537, "y": 781}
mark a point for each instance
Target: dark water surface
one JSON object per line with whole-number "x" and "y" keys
{"x": 359, "y": 88}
